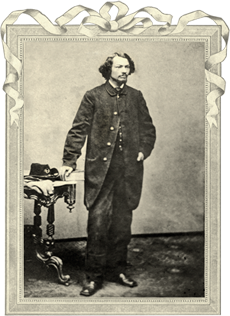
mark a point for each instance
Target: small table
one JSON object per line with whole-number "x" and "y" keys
{"x": 44, "y": 247}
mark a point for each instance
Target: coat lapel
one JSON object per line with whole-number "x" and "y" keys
{"x": 121, "y": 95}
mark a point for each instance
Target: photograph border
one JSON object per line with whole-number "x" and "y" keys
{"x": 14, "y": 302}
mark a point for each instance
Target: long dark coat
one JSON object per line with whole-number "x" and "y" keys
{"x": 99, "y": 115}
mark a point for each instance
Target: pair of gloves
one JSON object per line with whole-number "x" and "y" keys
{"x": 43, "y": 187}
{"x": 40, "y": 178}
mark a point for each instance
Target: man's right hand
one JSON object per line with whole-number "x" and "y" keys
{"x": 64, "y": 172}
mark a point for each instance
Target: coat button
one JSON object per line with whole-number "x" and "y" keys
{"x": 115, "y": 113}
{"x": 104, "y": 159}
{"x": 111, "y": 128}
{"x": 108, "y": 144}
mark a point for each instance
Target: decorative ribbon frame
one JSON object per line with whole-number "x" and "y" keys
{"x": 125, "y": 23}
{"x": 103, "y": 23}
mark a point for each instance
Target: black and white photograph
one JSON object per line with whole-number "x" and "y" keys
{"x": 124, "y": 173}
{"x": 114, "y": 122}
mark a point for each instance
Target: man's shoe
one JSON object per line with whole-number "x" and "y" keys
{"x": 90, "y": 288}
{"x": 123, "y": 280}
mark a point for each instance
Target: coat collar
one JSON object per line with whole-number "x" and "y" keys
{"x": 113, "y": 91}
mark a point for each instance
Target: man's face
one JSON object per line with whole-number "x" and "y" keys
{"x": 120, "y": 69}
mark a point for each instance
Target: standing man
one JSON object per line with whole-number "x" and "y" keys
{"x": 121, "y": 135}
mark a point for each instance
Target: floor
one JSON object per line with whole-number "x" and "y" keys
{"x": 163, "y": 266}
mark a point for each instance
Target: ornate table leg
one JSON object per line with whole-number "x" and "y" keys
{"x": 49, "y": 245}
{"x": 37, "y": 232}
{"x": 44, "y": 246}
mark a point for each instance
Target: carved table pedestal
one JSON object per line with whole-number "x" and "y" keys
{"x": 44, "y": 246}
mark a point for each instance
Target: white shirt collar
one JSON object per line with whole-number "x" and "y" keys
{"x": 121, "y": 87}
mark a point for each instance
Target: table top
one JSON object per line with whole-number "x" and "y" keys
{"x": 60, "y": 189}
{"x": 77, "y": 175}
{"x": 60, "y": 183}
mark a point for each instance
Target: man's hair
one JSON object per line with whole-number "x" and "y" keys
{"x": 105, "y": 69}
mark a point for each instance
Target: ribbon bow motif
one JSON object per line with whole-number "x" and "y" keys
{"x": 129, "y": 24}
{"x": 122, "y": 21}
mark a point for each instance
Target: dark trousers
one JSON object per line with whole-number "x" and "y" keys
{"x": 109, "y": 226}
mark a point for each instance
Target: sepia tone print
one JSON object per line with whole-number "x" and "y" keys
{"x": 117, "y": 171}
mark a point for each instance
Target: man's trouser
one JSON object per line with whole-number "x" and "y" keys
{"x": 109, "y": 226}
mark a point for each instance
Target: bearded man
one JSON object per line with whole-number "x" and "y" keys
{"x": 121, "y": 136}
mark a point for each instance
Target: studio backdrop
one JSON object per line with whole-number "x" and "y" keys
{"x": 57, "y": 71}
